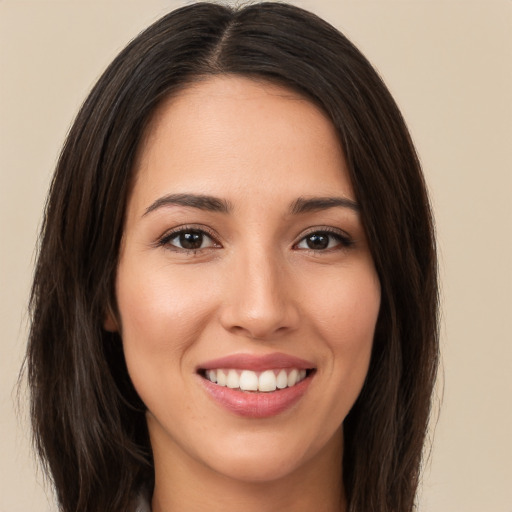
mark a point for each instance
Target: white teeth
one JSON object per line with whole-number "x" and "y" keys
{"x": 221, "y": 378}
{"x": 267, "y": 381}
{"x": 233, "y": 380}
{"x": 282, "y": 379}
{"x": 247, "y": 380}
{"x": 292, "y": 377}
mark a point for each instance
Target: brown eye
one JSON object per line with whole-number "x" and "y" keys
{"x": 323, "y": 240}
{"x": 191, "y": 240}
{"x": 317, "y": 241}
{"x": 188, "y": 240}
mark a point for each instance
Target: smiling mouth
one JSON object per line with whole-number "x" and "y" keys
{"x": 266, "y": 381}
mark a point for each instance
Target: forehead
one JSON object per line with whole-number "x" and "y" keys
{"x": 228, "y": 134}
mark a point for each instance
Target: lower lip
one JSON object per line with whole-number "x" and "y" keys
{"x": 254, "y": 404}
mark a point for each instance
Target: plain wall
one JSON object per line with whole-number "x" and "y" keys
{"x": 449, "y": 66}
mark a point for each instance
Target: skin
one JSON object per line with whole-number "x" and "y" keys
{"x": 254, "y": 286}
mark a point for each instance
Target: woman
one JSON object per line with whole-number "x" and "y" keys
{"x": 235, "y": 300}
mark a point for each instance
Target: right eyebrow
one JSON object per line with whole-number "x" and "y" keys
{"x": 201, "y": 202}
{"x": 314, "y": 204}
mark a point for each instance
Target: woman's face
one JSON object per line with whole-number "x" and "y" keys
{"x": 244, "y": 264}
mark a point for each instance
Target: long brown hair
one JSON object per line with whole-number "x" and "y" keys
{"x": 89, "y": 424}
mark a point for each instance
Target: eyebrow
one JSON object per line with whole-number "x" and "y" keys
{"x": 215, "y": 204}
{"x": 201, "y": 202}
{"x": 315, "y": 204}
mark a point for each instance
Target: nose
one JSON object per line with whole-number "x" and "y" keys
{"x": 260, "y": 300}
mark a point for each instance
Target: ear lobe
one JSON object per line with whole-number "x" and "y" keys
{"x": 110, "y": 321}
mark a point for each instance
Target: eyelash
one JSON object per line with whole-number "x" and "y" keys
{"x": 344, "y": 241}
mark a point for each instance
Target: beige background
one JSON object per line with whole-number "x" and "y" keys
{"x": 449, "y": 65}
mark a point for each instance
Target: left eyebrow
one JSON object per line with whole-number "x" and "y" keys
{"x": 313, "y": 204}
{"x": 201, "y": 202}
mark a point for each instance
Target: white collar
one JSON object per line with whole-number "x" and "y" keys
{"x": 142, "y": 504}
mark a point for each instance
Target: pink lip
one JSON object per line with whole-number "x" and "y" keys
{"x": 257, "y": 363}
{"x": 257, "y": 404}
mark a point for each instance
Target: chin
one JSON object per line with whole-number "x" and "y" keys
{"x": 266, "y": 457}
{"x": 257, "y": 470}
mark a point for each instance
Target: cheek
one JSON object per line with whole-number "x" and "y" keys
{"x": 347, "y": 306}
{"x": 159, "y": 321}
{"x": 346, "y": 322}
{"x": 159, "y": 325}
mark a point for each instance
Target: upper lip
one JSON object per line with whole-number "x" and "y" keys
{"x": 257, "y": 362}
